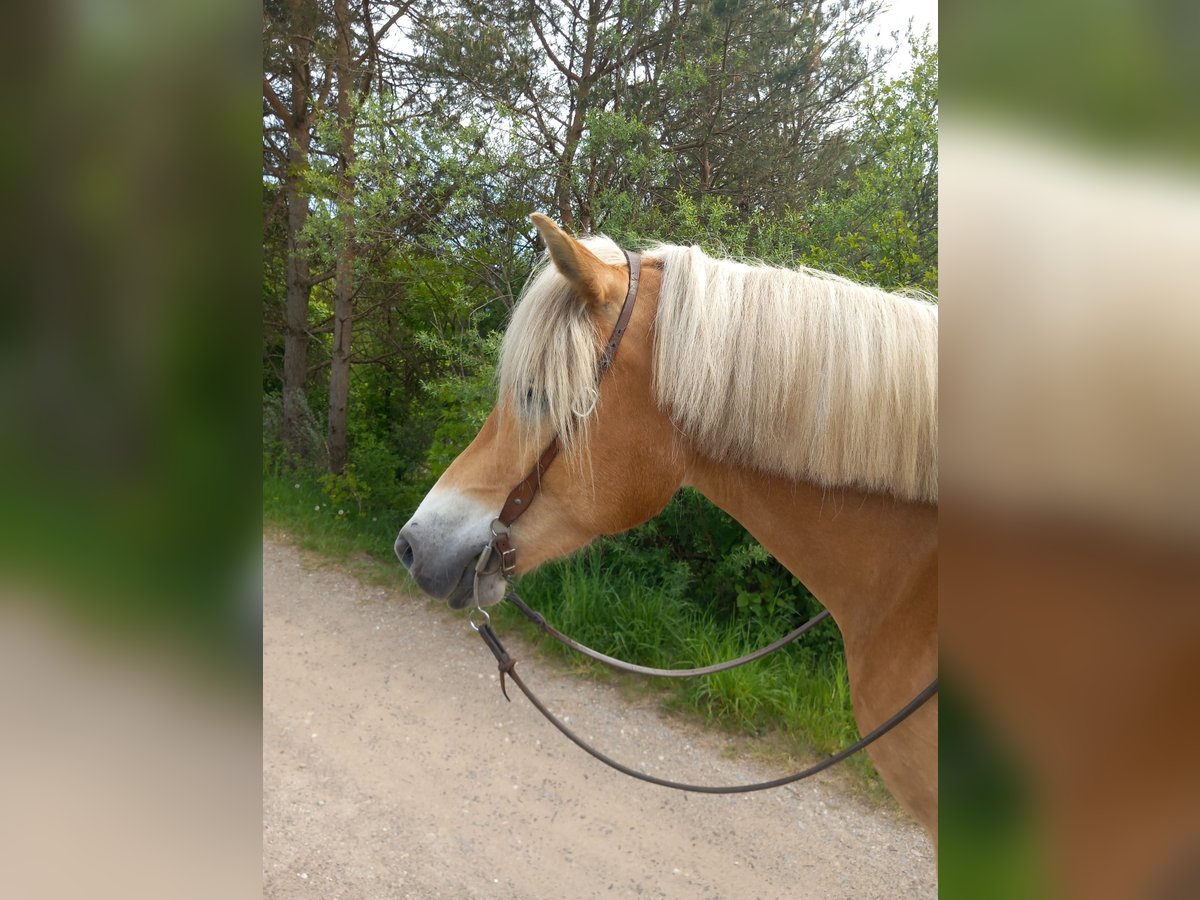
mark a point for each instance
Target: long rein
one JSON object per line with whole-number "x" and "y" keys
{"x": 501, "y": 553}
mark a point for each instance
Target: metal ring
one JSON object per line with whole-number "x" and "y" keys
{"x": 591, "y": 409}
{"x": 487, "y": 620}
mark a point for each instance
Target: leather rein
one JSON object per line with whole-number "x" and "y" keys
{"x": 499, "y": 555}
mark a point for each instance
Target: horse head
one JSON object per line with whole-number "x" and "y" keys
{"x": 621, "y": 459}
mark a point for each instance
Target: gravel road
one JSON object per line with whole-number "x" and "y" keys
{"x": 393, "y": 768}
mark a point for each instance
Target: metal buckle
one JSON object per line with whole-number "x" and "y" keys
{"x": 505, "y": 563}
{"x": 508, "y": 563}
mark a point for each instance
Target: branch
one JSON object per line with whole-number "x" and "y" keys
{"x": 370, "y": 360}
{"x": 276, "y": 104}
{"x": 567, "y": 73}
{"x": 376, "y": 36}
{"x": 279, "y": 198}
{"x": 321, "y": 98}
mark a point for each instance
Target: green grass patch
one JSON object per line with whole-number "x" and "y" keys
{"x": 361, "y": 540}
{"x": 650, "y": 619}
{"x": 645, "y": 614}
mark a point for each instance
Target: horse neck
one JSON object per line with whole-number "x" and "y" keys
{"x": 870, "y": 559}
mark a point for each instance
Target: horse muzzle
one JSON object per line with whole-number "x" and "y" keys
{"x": 440, "y": 547}
{"x": 437, "y": 573}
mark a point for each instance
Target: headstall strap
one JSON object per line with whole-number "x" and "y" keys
{"x": 522, "y": 496}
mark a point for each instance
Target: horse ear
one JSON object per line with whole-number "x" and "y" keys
{"x": 595, "y": 280}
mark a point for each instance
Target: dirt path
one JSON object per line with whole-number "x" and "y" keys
{"x": 393, "y": 767}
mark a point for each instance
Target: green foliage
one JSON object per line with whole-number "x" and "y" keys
{"x": 277, "y": 455}
{"x": 297, "y": 502}
{"x": 701, "y": 550}
{"x": 881, "y": 225}
{"x": 273, "y": 448}
{"x": 876, "y": 224}
{"x": 462, "y": 398}
{"x": 375, "y": 468}
{"x": 345, "y": 490}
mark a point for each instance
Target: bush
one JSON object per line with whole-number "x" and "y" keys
{"x": 376, "y": 468}
{"x": 278, "y": 457}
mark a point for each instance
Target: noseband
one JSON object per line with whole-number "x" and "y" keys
{"x": 499, "y": 554}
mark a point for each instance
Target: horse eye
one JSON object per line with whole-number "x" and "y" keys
{"x": 534, "y": 404}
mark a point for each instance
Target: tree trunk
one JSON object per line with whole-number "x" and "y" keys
{"x": 299, "y": 285}
{"x": 343, "y": 285}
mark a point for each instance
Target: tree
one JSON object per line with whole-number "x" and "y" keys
{"x": 748, "y": 99}
{"x": 350, "y": 86}
{"x": 751, "y": 98}
{"x": 315, "y": 52}
{"x": 292, "y": 33}
{"x": 879, "y": 223}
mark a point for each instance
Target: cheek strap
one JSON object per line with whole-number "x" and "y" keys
{"x": 521, "y": 497}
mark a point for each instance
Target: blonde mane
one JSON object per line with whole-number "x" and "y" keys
{"x": 797, "y": 373}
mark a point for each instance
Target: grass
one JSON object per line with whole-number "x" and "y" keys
{"x": 630, "y": 614}
{"x": 362, "y": 542}
{"x": 798, "y": 699}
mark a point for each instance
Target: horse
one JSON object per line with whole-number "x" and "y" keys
{"x": 801, "y": 403}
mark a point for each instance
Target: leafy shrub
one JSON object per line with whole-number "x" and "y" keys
{"x": 309, "y": 448}
{"x": 376, "y": 468}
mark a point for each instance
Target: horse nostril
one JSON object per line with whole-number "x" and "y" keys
{"x": 404, "y": 552}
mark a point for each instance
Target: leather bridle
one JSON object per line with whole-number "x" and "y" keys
{"x": 501, "y": 553}
{"x": 500, "y": 550}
